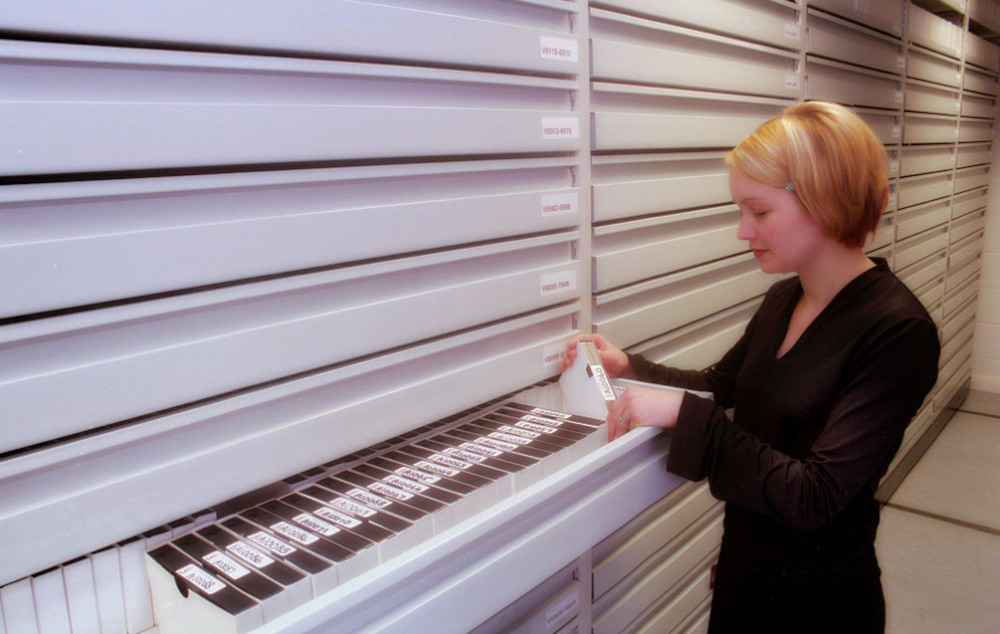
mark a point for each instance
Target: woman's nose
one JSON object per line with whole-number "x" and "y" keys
{"x": 745, "y": 231}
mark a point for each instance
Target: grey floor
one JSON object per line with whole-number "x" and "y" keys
{"x": 939, "y": 540}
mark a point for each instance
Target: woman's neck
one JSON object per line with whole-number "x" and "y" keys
{"x": 830, "y": 271}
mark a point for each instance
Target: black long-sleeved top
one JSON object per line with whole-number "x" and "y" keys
{"x": 812, "y": 432}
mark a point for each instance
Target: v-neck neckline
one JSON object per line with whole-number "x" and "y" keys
{"x": 786, "y": 318}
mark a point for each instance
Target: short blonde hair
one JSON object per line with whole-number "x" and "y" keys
{"x": 833, "y": 161}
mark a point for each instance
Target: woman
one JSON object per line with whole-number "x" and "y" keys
{"x": 824, "y": 380}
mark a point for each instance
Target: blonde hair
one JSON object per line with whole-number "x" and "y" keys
{"x": 830, "y": 158}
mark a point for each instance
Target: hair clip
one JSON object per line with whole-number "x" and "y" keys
{"x": 789, "y": 187}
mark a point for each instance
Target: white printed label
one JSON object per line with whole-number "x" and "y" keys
{"x": 496, "y": 444}
{"x": 413, "y": 474}
{"x": 316, "y": 525}
{"x": 892, "y": 200}
{"x": 535, "y": 427}
{"x": 560, "y": 49}
{"x": 542, "y": 421}
{"x": 550, "y": 414}
{"x": 481, "y": 449}
{"x": 250, "y": 554}
{"x": 275, "y": 546}
{"x": 338, "y": 518}
{"x": 507, "y": 429}
{"x": 510, "y": 438}
{"x": 603, "y": 382}
{"x": 896, "y": 130}
{"x": 294, "y": 533}
{"x": 351, "y": 507}
{"x": 403, "y": 483}
{"x": 560, "y": 128}
{"x": 894, "y": 167}
{"x": 390, "y": 492}
{"x": 464, "y": 455}
{"x": 792, "y": 31}
{"x": 560, "y": 204}
{"x": 792, "y": 81}
{"x": 225, "y": 565}
{"x": 559, "y": 282}
{"x": 451, "y": 462}
{"x": 900, "y": 61}
{"x": 438, "y": 469}
{"x": 898, "y": 97}
{"x": 552, "y": 355}
{"x": 368, "y": 498}
{"x": 566, "y": 606}
{"x": 200, "y": 578}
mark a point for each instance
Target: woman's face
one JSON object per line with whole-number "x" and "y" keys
{"x": 781, "y": 234}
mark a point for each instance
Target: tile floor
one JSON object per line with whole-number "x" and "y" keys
{"x": 939, "y": 540}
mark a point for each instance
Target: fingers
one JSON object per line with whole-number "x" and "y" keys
{"x": 619, "y": 420}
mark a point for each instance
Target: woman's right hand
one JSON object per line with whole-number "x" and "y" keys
{"x": 614, "y": 360}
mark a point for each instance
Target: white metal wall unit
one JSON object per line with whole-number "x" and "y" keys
{"x": 238, "y": 243}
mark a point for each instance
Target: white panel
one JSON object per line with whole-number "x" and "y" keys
{"x": 982, "y": 52}
{"x": 627, "y": 549}
{"x": 974, "y": 154}
{"x": 125, "y": 361}
{"x": 921, "y": 218}
{"x": 921, "y": 246}
{"x": 886, "y": 126}
{"x": 636, "y": 50}
{"x": 972, "y": 178}
{"x": 699, "y": 545}
{"x": 885, "y": 15}
{"x": 485, "y": 33}
{"x": 971, "y": 131}
{"x": 926, "y": 159}
{"x": 932, "y": 67}
{"x": 632, "y": 251}
{"x": 771, "y": 22}
{"x": 962, "y": 296}
{"x": 69, "y": 244}
{"x": 846, "y": 42}
{"x": 642, "y": 184}
{"x": 645, "y": 118}
{"x": 968, "y": 249}
{"x": 18, "y": 603}
{"x": 980, "y": 82}
{"x": 927, "y": 272}
{"x": 933, "y": 32}
{"x": 652, "y": 308}
{"x": 196, "y": 457}
{"x": 80, "y": 108}
{"x": 928, "y": 129}
{"x": 921, "y": 97}
{"x": 962, "y": 272}
{"x": 832, "y": 81}
{"x": 920, "y": 189}
{"x": 968, "y": 202}
{"x": 973, "y": 106}
{"x": 702, "y": 343}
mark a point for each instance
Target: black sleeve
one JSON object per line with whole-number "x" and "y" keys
{"x": 881, "y": 394}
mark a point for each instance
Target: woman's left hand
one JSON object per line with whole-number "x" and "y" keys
{"x": 643, "y": 407}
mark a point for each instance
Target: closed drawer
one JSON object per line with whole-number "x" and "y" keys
{"x": 832, "y": 81}
{"x": 643, "y": 184}
{"x": 933, "y": 67}
{"x": 844, "y": 41}
{"x": 923, "y": 97}
{"x": 637, "y": 50}
{"x": 486, "y": 34}
{"x": 640, "y": 249}
{"x": 916, "y": 190}
{"x": 920, "y": 218}
{"x": 654, "y": 307}
{"x": 649, "y": 118}
{"x": 69, "y": 108}
{"x": 885, "y": 15}
{"x": 926, "y": 159}
{"x": 146, "y": 236}
{"x": 928, "y": 244}
{"x": 918, "y": 129}
{"x": 765, "y": 22}
{"x": 974, "y": 154}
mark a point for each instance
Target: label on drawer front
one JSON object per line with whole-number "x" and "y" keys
{"x": 249, "y": 554}
{"x": 559, "y": 204}
{"x": 560, "y": 128}
{"x": 559, "y": 282}
{"x": 792, "y": 81}
{"x": 559, "y": 49}
{"x": 552, "y": 355}
{"x": 559, "y": 611}
{"x": 792, "y": 31}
